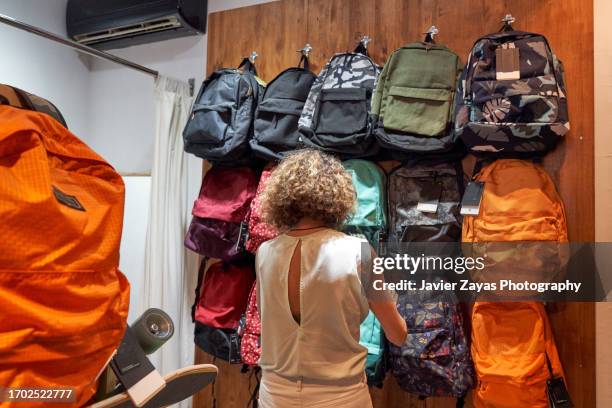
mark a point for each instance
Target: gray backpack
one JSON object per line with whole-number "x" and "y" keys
{"x": 221, "y": 122}
{"x": 336, "y": 116}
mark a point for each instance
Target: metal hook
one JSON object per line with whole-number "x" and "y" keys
{"x": 431, "y": 33}
{"x": 253, "y": 57}
{"x": 365, "y": 40}
{"x": 508, "y": 19}
{"x": 306, "y": 50}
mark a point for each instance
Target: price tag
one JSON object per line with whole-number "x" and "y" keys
{"x": 507, "y": 62}
{"x": 470, "y": 205}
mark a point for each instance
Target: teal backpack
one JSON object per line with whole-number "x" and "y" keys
{"x": 370, "y": 217}
{"x": 372, "y": 337}
{"x": 370, "y": 221}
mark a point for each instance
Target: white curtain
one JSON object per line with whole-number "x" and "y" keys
{"x": 170, "y": 270}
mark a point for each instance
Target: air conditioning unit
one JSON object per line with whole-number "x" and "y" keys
{"x": 109, "y": 24}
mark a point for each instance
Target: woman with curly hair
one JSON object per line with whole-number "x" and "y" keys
{"x": 310, "y": 294}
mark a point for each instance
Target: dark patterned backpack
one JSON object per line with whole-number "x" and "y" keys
{"x": 336, "y": 116}
{"x": 221, "y": 122}
{"x": 276, "y": 118}
{"x": 435, "y": 359}
{"x": 512, "y": 99}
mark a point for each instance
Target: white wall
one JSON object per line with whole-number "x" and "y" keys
{"x": 603, "y": 186}
{"x": 41, "y": 66}
{"x": 137, "y": 193}
{"x": 122, "y": 104}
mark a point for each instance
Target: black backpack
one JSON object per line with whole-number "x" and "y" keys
{"x": 408, "y": 186}
{"x": 221, "y": 121}
{"x": 277, "y": 115}
{"x": 435, "y": 359}
{"x": 336, "y": 116}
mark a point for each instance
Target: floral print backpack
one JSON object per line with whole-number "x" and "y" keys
{"x": 250, "y": 331}
{"x": 259, "y": 231}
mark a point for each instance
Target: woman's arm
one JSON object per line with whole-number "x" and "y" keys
{"x": 392, "y": 323}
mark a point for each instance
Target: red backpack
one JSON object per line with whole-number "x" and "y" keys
{"x": 259, "y": 231}
{"x": 220, "y": 212}
{"x": 222, "y": 297}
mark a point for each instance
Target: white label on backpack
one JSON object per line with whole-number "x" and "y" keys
{"x": 507, "y": 62}
{"x": 430, "y": 198}
{"x": 428, "y": 207}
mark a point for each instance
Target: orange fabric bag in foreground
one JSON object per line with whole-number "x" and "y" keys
{"x": 63, "y": 301}
{"x": 512, "y": 341}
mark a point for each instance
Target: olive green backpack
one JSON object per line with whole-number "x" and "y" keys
{"x": 370, "y": 221}
{"x": 413, "y": 105}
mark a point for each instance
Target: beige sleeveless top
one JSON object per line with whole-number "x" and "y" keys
{"x": 324, "y": 346}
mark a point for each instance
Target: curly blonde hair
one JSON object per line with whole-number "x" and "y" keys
{"x": 308, "y": 183}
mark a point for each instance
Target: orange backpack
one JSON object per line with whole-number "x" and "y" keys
{"x": 513, "y": 347}
{"x": 63, "y": 302}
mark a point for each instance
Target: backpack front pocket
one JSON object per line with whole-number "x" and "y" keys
{"x": 530, "y": 100}
{"x": 448, "y": 232}
{"x": 213, "y": 238}
{"x": 276, "y": 122}
{"x": 342, "y": 111}
{"x": 209, "y": 124}
{"x": 417, "y": 110}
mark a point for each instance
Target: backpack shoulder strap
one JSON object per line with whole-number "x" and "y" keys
{"x": 315, "y": 90}
{"x": 380, "y": 85}
{"x": 248, "y": 66}
{"x": 304, "y": 60}
{"x": 201, "y": 272}
{"x": 361, "y": 49}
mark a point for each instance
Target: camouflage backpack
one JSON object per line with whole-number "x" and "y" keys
{"x": 336, "y": 116}
{"x": 512, "y": 99}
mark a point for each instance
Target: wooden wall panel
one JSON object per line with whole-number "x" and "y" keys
{"x": 334, "y": 27}
{"x": 232, "y": 389}
{"x": 277, "y": 29}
